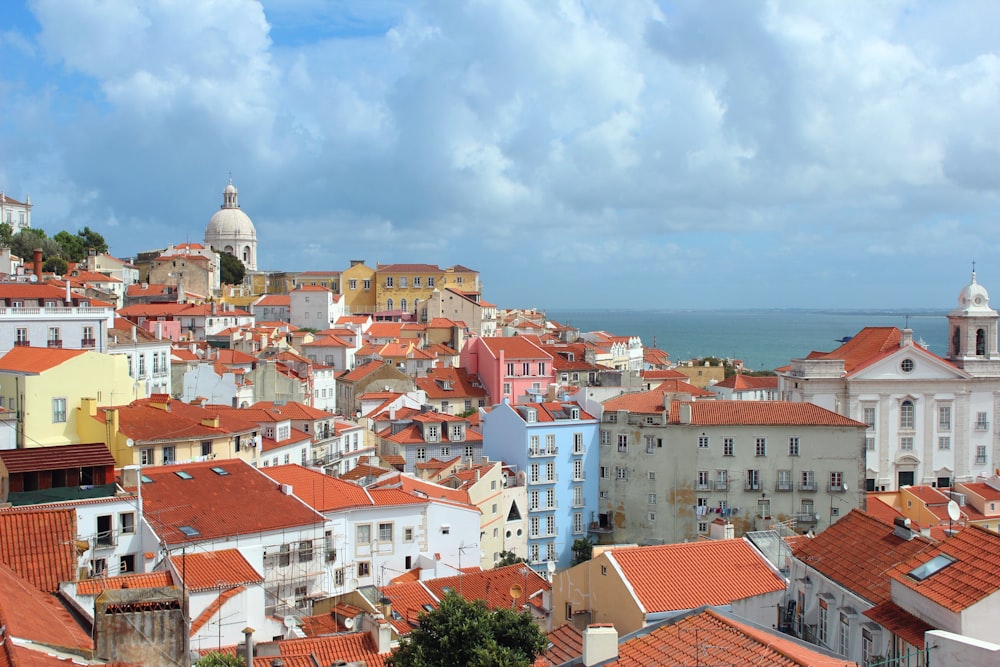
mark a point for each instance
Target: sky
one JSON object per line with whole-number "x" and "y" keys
{"x": 627, "y": 154}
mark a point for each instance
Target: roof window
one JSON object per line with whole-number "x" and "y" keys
{"x": 189, "y": 531}
{"x": 931, "y": 567}
{"x": 220, "y": 471}
{"x": 183, "y": 475}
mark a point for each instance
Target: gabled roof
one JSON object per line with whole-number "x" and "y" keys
{"x": 34, "y": 616}
{"x": 293, "y": 410}
{"x": 240, "y": 502}
{"x": 741, "y": 382}
{"x": 969, "y": 569}
{"x": 866, "y": 346}
{"x": 143, "y": 421}
{"x": 97, "y": 585}
{"x": 677, "y": 386}
{"x": 321, "y": 492}
{"x": 565, "y": 644}
{"x": 409, "y": 600}
{"x": 59, "y": 457}
{"x": 773, "y": 413}
{"x": 660, "y": 576}
{"x": 361, "y": 371}
{"x": 710, "y": 637}
{"x": 514, "y": 348}
{"x": 409, "y": 483}
{"x": 355, "y": 647}
{"x": 35, "y": 360}
{"x": 899, "y": 622}
{"x": 40, "y": 545}
{"x": 492, "y": 586}
{"x": 211, "y": 570}
{"x": 856, "y": 551}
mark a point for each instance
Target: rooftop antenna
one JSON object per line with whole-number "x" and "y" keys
{"x": 907, "y": 320}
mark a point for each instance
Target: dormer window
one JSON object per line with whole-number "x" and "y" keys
{"x": 574, "y": 413}
{"x": 431, "y": 433}
{"x": 531, "y": 416}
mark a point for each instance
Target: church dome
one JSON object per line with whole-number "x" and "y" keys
{"x": 974, "y": 297}
{"x": 230, "y": 223}
{"x": 231, "y": 230}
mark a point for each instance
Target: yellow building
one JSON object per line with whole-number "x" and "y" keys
{"x": 160, "y": 431}
{"x": 404, "y": 287}
{"x": 358, "y": 288}
{"x": 44, "y": 386}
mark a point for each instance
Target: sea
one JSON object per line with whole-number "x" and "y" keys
{"x": 761, "y": 339}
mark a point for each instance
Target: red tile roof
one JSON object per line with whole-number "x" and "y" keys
{"x": 974, "y": 574}
{"x": 408, "y": 600}
{"x": 353, "y": 647}
{"x": 866, "y": 345}
{"x": 638, "y": 402}
{"x": 565, "y": 644}
{"x": 514, "y": 348}
{"x": 212, "y": 609}
{"x": 677, "y": 386}
{"x": 97, "y": 585}
{"x": 856, "y": 551}
{"x": 37, "y": 616}
{"x": 708, "y": 637}
{"x": 211, "y": 503}
{"x": 899, "y": 622}
{"x": 215, "y": 569}
{"x": 36, "y": 359}
{"x": 749, "y": 382}
{"x": 660, "y": 576}
{"x": 56, "y": 458}
{"x": 492, "y": 586}
{"x": 774, "y": 413}
{"x": 40, "y": 545}
{"x": 321, "y": 492}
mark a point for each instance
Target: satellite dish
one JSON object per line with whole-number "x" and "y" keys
{"x": 353, "y": 584}
{"x": 290, "y": 622}
{"x": 551, "y": 566}
{"x": 516, "y": 591}
{"x": 349, "y": 623}
{"x": 953, "y": 511}
{"x": 130, "y": 442}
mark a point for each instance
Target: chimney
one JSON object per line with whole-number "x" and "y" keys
{"x": 248, "y": 645}
{"x": 286, "y": 489}
{"x": 88, "y": 406}
{"x": 380, "y": 632}
{"x": 600, "y": 643}
{"x": 685, "y": 410}
{"x": 37, "y": 259}
{"x": 907, "y": 339}
{"x": 901, "y": 528}
{"x": 385, "y": 605}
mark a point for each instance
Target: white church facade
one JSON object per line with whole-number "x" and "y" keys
{"x": 931, "y": 420}
{"x": 231, "y": 230}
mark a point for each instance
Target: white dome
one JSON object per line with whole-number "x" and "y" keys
{"x": 229, "y": 223}
{"x": 974, "y": 298}
{"x": 231, "y": 230}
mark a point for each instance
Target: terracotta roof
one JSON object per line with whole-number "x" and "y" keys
{"x": 638, "y": 402}
{"x": 37, "y": 616}
{"x": 36, "y": 359}
{"x": 56, "y": 458}
{"x": 867, "y": 344}
{"x": 660, "y": 575}
{"x": 856, "y": 552}
{"x": 749, "y": 382}
{"x": 973, "y": 575}
{"x": 786, "y": 413}
{"x": 708, "y": 637}
{"x": 40, "y": 545}
{"x": 899, "y": 622}
{"x": 361, "y": 371}
{"x": 352, "y": 647}
{"x": 514, "y": 348}
{"x": 491, "y": 586}
{"x": 677, "y": 386}
{"x": 213, "y": 608}
{"x": 409, "y": 600}
{"x": 565, "y": 644}
{"x": 362, "y": 471}
{"x": 410, "y": 484}
{"x": 205, "y": 502}
{"x": 216, "y": 569}
{"x": 97, "y": 585}
{"x": 321, "y": 492}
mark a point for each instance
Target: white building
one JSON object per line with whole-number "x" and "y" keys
{"x": 15, "y": 213}
{"x": 231, "y": 230}
{"x": 148, "y": 356}
{"x": 931, "y": 420}
{"x": 40, "y": 315}
{"x": 315, "y": 307}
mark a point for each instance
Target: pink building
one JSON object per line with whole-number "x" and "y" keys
{"x": 509, "y": 367}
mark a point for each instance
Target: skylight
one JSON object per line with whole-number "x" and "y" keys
{"x": 931, "y": 567}
{"x": 147, "y": 480}
{"x": 183, "y": 475}
{"x": 220, "y": 471}
{"x": 189, "y": 531}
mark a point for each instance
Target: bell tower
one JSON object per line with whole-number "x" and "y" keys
{"x": 972, "y": 332}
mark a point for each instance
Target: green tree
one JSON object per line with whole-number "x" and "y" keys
{"x": 583, "y": 550}
{"x": 509, "y": 558}
{"x": 71, "y": 246}
{"x": 464, "y": 632}
{"x": 232, "y": 269}
{"x": 92, "y": 240}
{"x": 215, "y": 659}
{"x": 23, "y": 244}
{"x": 6, "y": 234}
{"x": 56, "y": 265}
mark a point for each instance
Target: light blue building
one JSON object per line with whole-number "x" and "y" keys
{"x": 555, "y": 449}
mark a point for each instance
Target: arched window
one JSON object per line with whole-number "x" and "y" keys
{"x": 388, "y": 304}
{"x": 906, "y": 415}
{"x": 956, "y": 340}
{"x": 402, "y": 305}
{"x": 980, "y": 342}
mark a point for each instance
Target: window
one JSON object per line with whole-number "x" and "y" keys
{"x": 525, "y": 368}
{"x": 58, "y": 410}
{"x": 430, "y": 281}
{"x": 305, "y": 551}
{"x": 534, "y": 553}
{"x": 982, "y": 424}
{"x": 169, "y": 454}
{"x": 821, "y": 628}
{"x": 703, "y": 481}
{"x": 578, "y": 443}
{"x": 338, "y": 577}
{"x": 870, "y": 443}
{"x": 837, "y": 481}
{"x": 703, "y": 442}
{"x": 402, "y": 281}
{"x": 534, "y": 468}
{"x": 793, "y": 445}
{"x": 550, "y": 443}
{"x": 808, "y": 507}
{"x": 126, "y": 523}
{"x": 385, "y": 532}
{"x": 980, "y": 454}
{"x": 550, "y": 525}
{"x": 364, "y": 568}
{"x": 533, "y": 500}
{"x": 416, "y": 281}
{"x": 868, "y": 417}
{"x": 867, "y": 646}
{"x": 650, "y": 498}
{"x": 578, "y": 469}
{"x": 906, "y": 366}
{"x": 605, "y": 472}
{"x": 506, "y": 388}
{"x": 126, "y": 563}
{"x": 578, "y": 496}
{"x": 510, "y": 368}
{"x": 421, "y": 454}
{"x": 605, "y": 438}
{"x": 146, "y": 456}
{"x": 445, "y": 452}
{"x": 845, "y": 629}
{"x": 457, "y": 432}
{"x": 431, "y": 433}
{"x": 944, "y": 418}
{"x": 54, "y": 339}
{"x": 944, "y": 442}
{"x": 760, "y": 446}
{"x": 407, "y": 534}
{"x": 808, "y": 481}
{"x": 389, "y": 281}
{"x": 622, "y": 442}
{"x": 621, "y": 472}
{"x": 721, "y": 480}
{"x": 284, "y": 555}
{"x": 142, "y": 365}
{"x": 906, "y": 415}
{"x": 784, "y": 480}
{"x": 550, "y": 498}
{"x": 21, "y": 337}
{"x": 534, "y": 524}
{"x": 906, "y": 443}
{"x": 363, "y": 532}
{"x": 753, "y": 480}
{"x": 352, "y": 284}
{"x": 727, "y": 446}
{"x": 651, "y": 475}
{"x": 577, "y": 522}
{"x": 206, "y": 448}
{"x": 534, "y": 444}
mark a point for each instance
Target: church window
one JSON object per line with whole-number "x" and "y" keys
{"x": 388, "y": 304}
{"x": 906, "y": 366}
{"x": 402, "y": 304}
{"x": 980, "y": 342}
{"x": 956, "y": 341}
{"x": 906, "y": 415}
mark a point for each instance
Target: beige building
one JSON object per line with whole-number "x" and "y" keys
{"x": 479, "y": 316}
{"x": 358, "y": 287}
{"x": 669, "y": 468}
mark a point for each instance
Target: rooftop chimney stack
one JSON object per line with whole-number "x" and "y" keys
{"x": 600, "y": 643}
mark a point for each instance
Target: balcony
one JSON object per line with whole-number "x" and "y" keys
{"x": 702, "y": 486}
{"x": 837, "y": 488}
{"x": 22, "y": 343}
{"x": 751, "y": 486}
{"x": 542, "y": 451}
{"x": 807, "y": 486}
{"x": 88, "y": 343}
{"x": 808, "y": 518}
{"x": 599, "y": 527}
{"x": 783, "y": 485}
{"x": 722, "y": 485}
{"x": 55, "y": 343}
{"x": 982, "y": 426}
